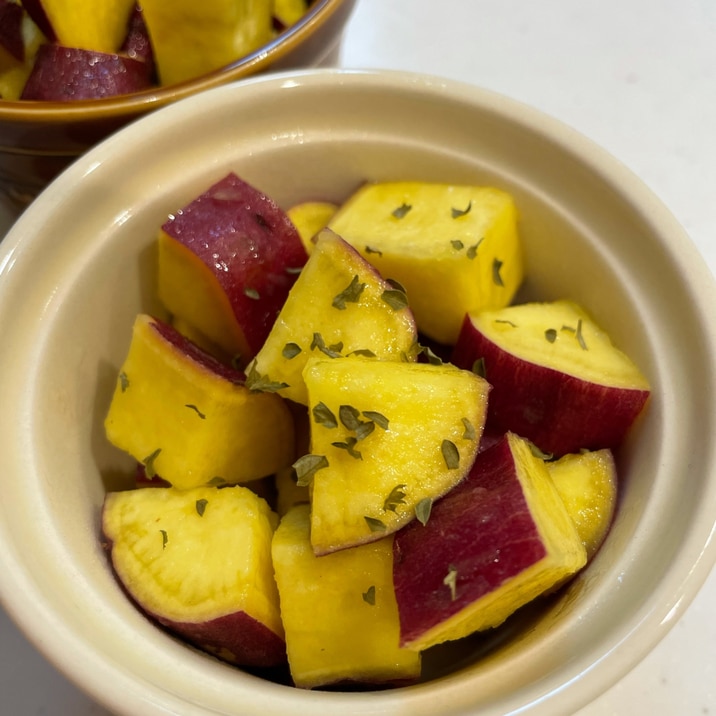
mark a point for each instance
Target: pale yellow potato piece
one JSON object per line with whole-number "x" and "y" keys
{"x": 454, "y": 248}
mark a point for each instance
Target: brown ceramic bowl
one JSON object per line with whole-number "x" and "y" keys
{"x": 39, "y": 139}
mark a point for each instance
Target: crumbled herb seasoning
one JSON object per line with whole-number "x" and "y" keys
{"x": 290, "y": 350}
{"x": 378, "y": 418}
{"x": 258, "y": 383}
{"x": 469, "y": 433}
{"x": 196, "y": 410}
{"x": 577, "y": 334}
{"x": 472, "y": 250}
{"x": 149, "y": 463}
{"x": 451, "y": 455}
{"x": 216, "y": 481}
{"x": 293, "y": 269}
{"x": 365, "y": 352}
{"x": 457, "y": 244}
{"x": 402, "y": 211}
{"x": 307, "y": 466}
{"x": 457, "y": 213}
{"x": 432, "y": 357}
{"x": 371, "y": 250}
{"x": 396, "y": 298}
{"x": 496, "y": 277}
{"x": 423, "y": 509}
{"x": 123, "y": 381}
{"x": 350, "y": 294}
{"x": 252, "y": 293}
{"x": 551, "y": 335}
{"x": 165, "y": 538}
{"x": 375, "y": 524}
{"x": 478, "y": 368}
{"x": 349, "y": 416}
{"x": 395, "y": 498}
{"x": 349, "y": 447}
{"x": 323, "y": 415}
{"x": 364, "y": 430}
{"x": 537, "y": 452}
{"x": 369, "y": 595}
{"x": 201, "y": 507}
{"x": 451, "y": 581}
{"x": 504, "y": 320}
{"x": 332, "y": 351}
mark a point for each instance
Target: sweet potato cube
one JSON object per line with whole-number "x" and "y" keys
{"x": 495, "y": 542}
{"x": 394, "y": 436}
{"x": 191, "y": 419}
{"x": 199, "y": 563}
{"x": 338, "y": 611}
{"x": 454, "y": 248}
{"x": 337, "y": 307}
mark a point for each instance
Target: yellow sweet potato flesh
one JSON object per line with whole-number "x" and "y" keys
{"x": 191, "y": 424}
{"x": 339, "y": 611}
{"x": 454, "y": 248}
{"x": 561, "y": 335}
{"x": 372, "y": 486}
{"x": 196, "y": 555}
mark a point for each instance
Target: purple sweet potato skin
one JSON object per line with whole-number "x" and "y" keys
{"x": 64, "y": 74}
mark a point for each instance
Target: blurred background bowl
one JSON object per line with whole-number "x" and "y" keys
{"x": 80, "y": 263}
{"x": 39, "y": 139}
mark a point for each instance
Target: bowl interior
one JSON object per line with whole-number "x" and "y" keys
{"x": 80, "y": 264}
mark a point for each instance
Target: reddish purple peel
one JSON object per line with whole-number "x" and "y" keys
{"x": 11, "y": 29}
{"x": 482, "y": 530}
{"x": 62, "y": 74}
{"x": 250, "y": 246}
{"x": 197, "y": 354}
{"x": 237, "y": 638}
{"x": 137, "y": 44}
{"x": 559, "y": 413}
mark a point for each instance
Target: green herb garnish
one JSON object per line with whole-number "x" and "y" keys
{"x": 290, "y": 350}
{"x": 366, "y": 352}
{"x": 196, "y": 410}
{"x": 216, "y": 481}
{"x": 350, "y": 294}
{"x": 201, "y": 506}
{"x": 370, "y": 250}
{"x": 401, "y": 211}
{"x": 395, "y": 498}
{"x": 307, "y": 466}
{"x": 469, "y": 433}
{"x": 472, "y": 250}
{"x": 258, "y": 383}
{"x": 478, "y": 368}
{"x": 149, "y": 463}
{"x": 323, "y": 415}
{"x": 551, "y": 335}
{"x": 457, "y": 244}
{"x": 349, "y": 416}
{"x": 496, "y": 277}
{"x": 451, "y": 455}
{"x": 165, "y": 538}
{"x": 457, "y": 213}
{"x": 378, "y": 418}
{"x": 333, "y": 351}
{"x": 375, "y": 524}
{"x": 423, "y": 509}
{"x": 349, "y": 447}
{"x": 369, "y": 595}
{"x": 123, "y": 381}
{"x": 252, "y": 293}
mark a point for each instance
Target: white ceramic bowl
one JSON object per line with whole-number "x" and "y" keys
{"x": 79, "y": 265}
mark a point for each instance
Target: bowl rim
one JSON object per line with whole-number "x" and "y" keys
{"x": 319, "y": 13}
{"x": 654, "y": 621}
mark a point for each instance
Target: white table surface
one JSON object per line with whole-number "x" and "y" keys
{"x": 636, "y": 76}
